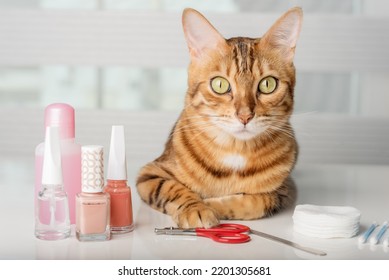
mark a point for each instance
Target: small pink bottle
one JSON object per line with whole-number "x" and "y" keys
{"x": 92, "y": 205}
{"x": 62, "y": 116}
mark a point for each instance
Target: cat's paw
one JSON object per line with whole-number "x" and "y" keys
{"x": 220, "y": 207}
{"x": 198, "y": 215}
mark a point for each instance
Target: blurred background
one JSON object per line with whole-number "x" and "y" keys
{"x": 131, "y": 55}
{"x": 125, "y": 62}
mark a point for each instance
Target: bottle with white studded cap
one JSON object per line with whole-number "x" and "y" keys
{"x": 92, "y": 204}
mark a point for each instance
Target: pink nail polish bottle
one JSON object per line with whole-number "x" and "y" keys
{"x": 119, "y": 191}
{"x": 62, "y": 116}
{"x": 92, "y": 204}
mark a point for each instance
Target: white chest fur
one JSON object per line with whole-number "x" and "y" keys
{"x": 234, "y": 161}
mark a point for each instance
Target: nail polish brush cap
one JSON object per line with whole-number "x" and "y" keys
{"x": 92, "y": 168}
{"x": 61, "y": 115}
{"x": 52, "y": 167}
{"x": 117, "y": 165}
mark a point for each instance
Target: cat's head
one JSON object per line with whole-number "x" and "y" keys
{"x": 243, "y": 85}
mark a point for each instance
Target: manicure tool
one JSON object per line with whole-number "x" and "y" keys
{"x": 375, "y": 239}
{"x": 224, "y": 233}
{"x": 233, "y": 233}
{"x": 367, "y": 233}
{"x": 289, "y": 243}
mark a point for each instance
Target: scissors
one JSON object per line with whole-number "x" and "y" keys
{"x": 233, "y": 233}
{"x": 224, "y": 233}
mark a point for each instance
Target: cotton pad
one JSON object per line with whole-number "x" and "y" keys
{"x": 326, "y": 221}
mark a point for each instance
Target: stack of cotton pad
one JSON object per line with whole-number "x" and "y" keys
{"x": 326, "y": 221}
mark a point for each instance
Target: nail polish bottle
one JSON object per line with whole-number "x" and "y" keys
{"x": 119, "y": 191}
{"x": 92, "y": 204}
{"x": 52, "y": 211}
{"x": 62, "y": 116}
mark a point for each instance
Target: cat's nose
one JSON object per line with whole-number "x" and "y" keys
{"x": 245, "y": 118}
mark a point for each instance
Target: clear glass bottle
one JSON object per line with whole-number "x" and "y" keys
{"x": 92, "y": 204}
{"x": 52, "y": 212}
{"x": 119, "y": 191}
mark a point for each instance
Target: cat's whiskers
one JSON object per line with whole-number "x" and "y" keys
{"x": 188, "y": 128}
{"x": 303, "y": 114}
{"x": 203, "y": 127}
{"x": 284, "y": 128}
{"x": 303, "y": 130}
{"x": 200, "y": 116}
{"x": 196, "y": 125}
{"x": 285, "y": 131}
{"x": 276, "y": 124}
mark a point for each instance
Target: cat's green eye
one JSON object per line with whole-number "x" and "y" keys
{"x": 267, "y": 85}
{"x": 220, "y": 85}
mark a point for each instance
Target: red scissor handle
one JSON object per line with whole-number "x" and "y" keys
{"x": 226, "y": 233}
{"x": 226, "y": 237}
{"x": 224, "y": 228}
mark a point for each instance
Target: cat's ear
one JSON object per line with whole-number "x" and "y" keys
{"x": 284, "y": 33}
{"x": 200, "y": 35}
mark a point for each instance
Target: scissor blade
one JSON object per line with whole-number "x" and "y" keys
{"x": 174, "y": 231}
{"x": 289, "y": 243}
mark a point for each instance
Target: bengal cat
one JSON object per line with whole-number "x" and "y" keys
{"x": 231, "y": 151}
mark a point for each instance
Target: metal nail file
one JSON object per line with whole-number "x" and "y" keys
{"x": 289, "y": 243}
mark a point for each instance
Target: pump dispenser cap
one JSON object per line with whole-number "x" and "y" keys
{"x": 92, "y": 168}
{"x": 117, "y": 165}
{"x": 61, "y": 115}
{"x": 52, "y": 167}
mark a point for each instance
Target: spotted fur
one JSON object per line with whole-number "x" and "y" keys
{"x": 229, "y": 156}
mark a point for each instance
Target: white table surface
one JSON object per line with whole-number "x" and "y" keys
{"x": 362, "y": 186}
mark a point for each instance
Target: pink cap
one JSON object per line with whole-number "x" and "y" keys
{"x": 61, "y": 115}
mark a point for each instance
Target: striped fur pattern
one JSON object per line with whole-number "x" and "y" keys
{"x": 229, "y": 156}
